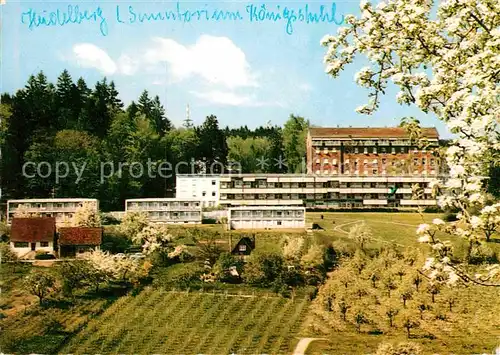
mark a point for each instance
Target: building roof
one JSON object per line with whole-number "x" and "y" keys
{"x": 249, "y": 242}
{"x": 80, "y": 236}
{"x": 163, "y": 199}
{"x": 38, "y": 229}
{"x": 43, "y": 200}
{"x": 368, "y": 132}
{"x": 268, "y": 208}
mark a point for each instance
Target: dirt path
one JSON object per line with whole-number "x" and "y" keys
{"x": 301, "y": 347}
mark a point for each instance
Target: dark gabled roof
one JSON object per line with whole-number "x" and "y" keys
{"x": 80, "y": 236}
{"x": 36, "y": 229}
{"x": 249, "y": 242}
{"x": 368, "y": 132}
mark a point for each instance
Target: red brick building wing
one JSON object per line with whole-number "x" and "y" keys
{"x": 40, "y": 229}
{"x": 80, "y": 236}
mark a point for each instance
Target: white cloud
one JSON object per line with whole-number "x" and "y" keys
{"x": 216, "y": 59}
{"x": 127, "y": 65}
{"x": 88, "y": 55}
{"x": 230, "y": 98}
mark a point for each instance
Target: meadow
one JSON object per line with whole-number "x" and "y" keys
{"x": 239, "y": 318}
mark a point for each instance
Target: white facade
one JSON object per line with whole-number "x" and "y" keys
{"x": 23, "y": 248}
{"x": 204, "y": 188}
{"x": 276, "y": 217}
{"x": 167, "y": 210}
{"x": 60, "y": 208}
{"x": 323, "y": 191}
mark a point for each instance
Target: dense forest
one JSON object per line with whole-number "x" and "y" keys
{"x": 103, "y": 149}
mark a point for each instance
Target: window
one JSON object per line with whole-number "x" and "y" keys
{"x": 279, "y": 223}
{"x": 423, "y": 161}
{"x": 81, "y": 251}
{"x": 374, "y": 171}
{"x": 384, "y": 161}
{"x": 203, "y": 193}
{"x": 366, "y": 150}
{"x": 432, "y": 162}
{"x": 213, "y": 182}
{"x": 44, "y": 244}
{"x": 393, "y": 150}
{"x": 186, "y": 204}
{"x": 20, "y": 244}
{"x": 213, "y": 193}
{"x": 415, "y": 162}
{"x": 384, "y": 150}
{"x": 242, "y": 248}
{"x": 356, "y": 150}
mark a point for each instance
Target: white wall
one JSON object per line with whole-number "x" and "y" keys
{"x": 201, "y": 187}
{"x": 38, "y": 247}
{"x": 271, "y": 224}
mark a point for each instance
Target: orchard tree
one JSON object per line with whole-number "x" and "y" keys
{"x": 361, "y": 234}
{"x": 87, "y": 216}
{"x": 292, "y": 248}
{"x": 39, "y": 284}
{"x": 443, "y": 58}
{"x": 133, "y": 223}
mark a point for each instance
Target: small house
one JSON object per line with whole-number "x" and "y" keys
{"x": 244, "y": 247}
{"x": 29, "y": 235}
{"x": 78, "y": 240}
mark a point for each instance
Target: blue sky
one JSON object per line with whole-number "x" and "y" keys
{"x": 243, "y": 71}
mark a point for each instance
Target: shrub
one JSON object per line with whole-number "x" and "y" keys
{"x": 115, "y": 241}
{"x": 107, "y": 219}
{"x": 262, "y": 270}
{"x": 483, "y": 254}
{"x": 44, "y": 255}
{"x": 209, "y": 221}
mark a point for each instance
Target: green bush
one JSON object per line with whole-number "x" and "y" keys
{"x": 483, "y": 254}
{"x": 449, "y": 216}
{"x": 209, "y": 221}
{"x": 114, "y": 241}
{"x": 44, "y": 255}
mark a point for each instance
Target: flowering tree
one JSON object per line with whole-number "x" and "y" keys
{"x": 104, "y": 267}
{"x": 133, "y": 223}
{"x": 445, "y": 62}
{"x": 22, "y": 211}
{"x": 361, "y": 234}
{"x": 86, "y": 216}
{"x": 154, "y": 238}
{"x": 292, "y": 247}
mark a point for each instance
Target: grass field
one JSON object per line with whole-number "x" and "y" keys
{"x": 157, "y": 321}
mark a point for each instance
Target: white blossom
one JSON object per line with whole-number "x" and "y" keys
{"x": 423, "y": 228}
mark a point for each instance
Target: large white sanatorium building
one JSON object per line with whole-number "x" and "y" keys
{"x": 204, "y": 188}
{"x": 167, "y": 210}
{"x": 317, "y": 191}
{"x": 59, "y": 208}
{"x": 266, "y": 217}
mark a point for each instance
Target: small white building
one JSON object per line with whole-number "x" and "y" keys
{"x": 29, "y": 235}
{"x": 266, "y": 217}
{"x": 167, "y": 210}
{"x": 204, "y": 188}
{"x": 59, "y": 208}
